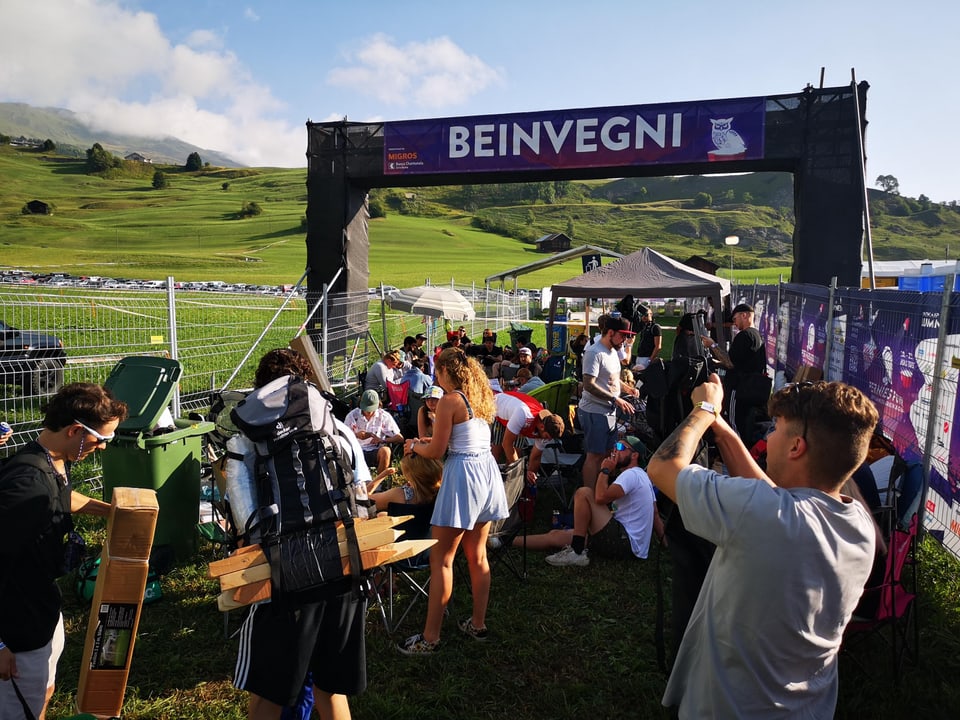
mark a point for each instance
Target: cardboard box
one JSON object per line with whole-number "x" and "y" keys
{"x": 130, "y": 525}
{"x": 117, "y": 602}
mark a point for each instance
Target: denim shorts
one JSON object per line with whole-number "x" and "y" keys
{"x": 599, "y": 432}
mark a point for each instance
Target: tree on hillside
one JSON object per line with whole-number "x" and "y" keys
{"x": 194, "y": 162}
{"x": 99, "y": 159}
{"x": 702, "y": 200}
{"x": 570, "y": 228}
{"x": 49, "y": 145}
{"x": 249, "y": 209}
{"x": 889, "y": 184}
{"x": 159, "y": 180}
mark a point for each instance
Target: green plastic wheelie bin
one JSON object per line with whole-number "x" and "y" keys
{"x": 167, "y": 461}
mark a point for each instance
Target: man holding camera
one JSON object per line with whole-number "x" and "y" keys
{"x": 792, "y": 556}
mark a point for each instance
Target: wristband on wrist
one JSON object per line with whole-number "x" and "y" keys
{"x": 708, "y": 407}
{"x": 605, "y": 471}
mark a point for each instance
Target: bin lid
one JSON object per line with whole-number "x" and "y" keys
{"x": 146, "y": 385}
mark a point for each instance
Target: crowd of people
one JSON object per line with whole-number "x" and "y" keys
{"x": 735, "y": 656}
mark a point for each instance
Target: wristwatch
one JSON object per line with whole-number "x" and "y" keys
{"x": 709, "y": 407}
{"x": 605, "y": 471}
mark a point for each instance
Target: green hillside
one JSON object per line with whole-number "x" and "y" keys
{"x": 118, "y": 225}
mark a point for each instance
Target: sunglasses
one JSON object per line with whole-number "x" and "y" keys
{"x": 794, "y": 389}
{"x": 100, "y": 438}
{"x": 620, "y": 445}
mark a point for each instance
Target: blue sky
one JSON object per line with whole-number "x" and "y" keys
{"x": 243, "y": 77}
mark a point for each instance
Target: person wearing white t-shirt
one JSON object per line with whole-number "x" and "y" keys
{"x": 616, "y": 519}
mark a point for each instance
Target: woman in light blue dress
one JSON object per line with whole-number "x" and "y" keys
{"x": 471, "y": 494}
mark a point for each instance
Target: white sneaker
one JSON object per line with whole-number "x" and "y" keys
{"x": 567, "y": 557}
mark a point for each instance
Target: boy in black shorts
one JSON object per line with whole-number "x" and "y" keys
{"x": 320, "y": 631}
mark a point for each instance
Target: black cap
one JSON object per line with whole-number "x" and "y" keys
{"x": 642, "y": 310}
{"x": 420, "y": 336}
{"x": 742, "y": 307}
{"x": 619, "y": 324}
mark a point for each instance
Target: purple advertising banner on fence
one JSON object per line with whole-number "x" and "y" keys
{"x": 701, "y": 131}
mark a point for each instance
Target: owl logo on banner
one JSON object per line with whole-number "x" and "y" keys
{"x": 727, "y": 142}
{"x": 590, "y": 262}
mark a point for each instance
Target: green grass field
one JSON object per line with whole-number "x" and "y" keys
{"x": 124, "y": 228}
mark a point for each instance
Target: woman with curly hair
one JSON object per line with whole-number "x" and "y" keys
{"x": 470, "y": 497}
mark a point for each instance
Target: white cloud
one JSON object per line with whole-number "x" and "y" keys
{"x": 432, "y": 74}
{"x": 116, "y": 69}
{"x": 250, "y": 14}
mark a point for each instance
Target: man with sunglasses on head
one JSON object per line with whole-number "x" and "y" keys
{"x": 36, "y": 502}
{"x": 600, "y": 401}
{"x": 793, "y": 553}
{"x": 616, "y": 518}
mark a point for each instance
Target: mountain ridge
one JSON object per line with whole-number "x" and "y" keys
{"x": 73, "y": 137}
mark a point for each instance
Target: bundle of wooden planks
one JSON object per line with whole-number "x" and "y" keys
{"x": 245, "y": 575}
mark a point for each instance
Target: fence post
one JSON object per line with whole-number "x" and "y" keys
{"x": 935, "y": 390}
{"x": 828, "y": 341}
{"x": 174, "y": 346}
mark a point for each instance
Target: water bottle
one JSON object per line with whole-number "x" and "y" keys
{"x": 241, "y": 487}
{"x": 555, "y": 520}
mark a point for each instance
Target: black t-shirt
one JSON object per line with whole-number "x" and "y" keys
{"x": 646, "y": 342}
{"x": 746, "y": 352}
{"x": 485, "y": 357}
{"x": 34, "y": 519}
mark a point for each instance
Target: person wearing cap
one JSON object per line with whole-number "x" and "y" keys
{"x": 526, "y": 360}
{"x": 616, "y": 519}
{"x": 487, "y": 353}
{"x": 650, "y": 340}
{"x": 428, "y": 411}
{"x": 521, "y": 417}
{"x": 384, "y": 370}
{"x": 375, "y": 428}
{"x": 601, "y": 399}
{"x": 749, "y": 363}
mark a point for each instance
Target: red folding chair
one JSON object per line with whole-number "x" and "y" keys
{"x": 895, "y": 598}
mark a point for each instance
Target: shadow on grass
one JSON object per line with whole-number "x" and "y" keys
{"x": 565, "y": 643}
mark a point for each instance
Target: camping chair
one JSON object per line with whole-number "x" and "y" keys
{"x": 895, "y": 598}
{"x": 397, "y": 399}
{"x": 553, "y": 368}
{"x": 405, "y": 573}
{"x": 556, "y": 466}
{"x": 411, "y": 431}
{"x": 502, "y": 532}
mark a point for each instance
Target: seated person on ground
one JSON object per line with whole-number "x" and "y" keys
{"x": 428, "y": 411}
{"x": 375, "y": 428}
{"x": 421, "y": 483}
{"x": 623, "y": 531}
{"x": 384, "y": 369}
{"x": 487, "y": 353}
{"x": 520, "y": 417}
{"x": 506, "y": 369}
{"x": 527, "y": 382}
{"x": 525, "y": 359}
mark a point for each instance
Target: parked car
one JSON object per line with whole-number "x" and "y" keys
{"x": 32, "y": 360}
